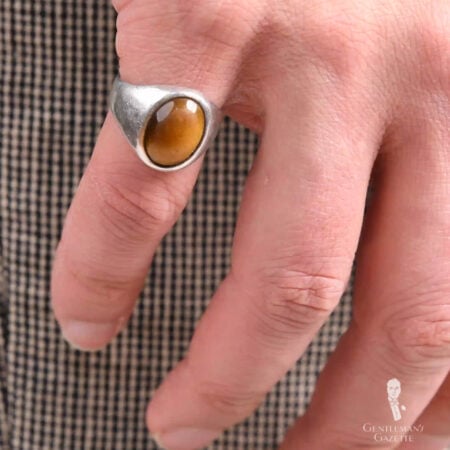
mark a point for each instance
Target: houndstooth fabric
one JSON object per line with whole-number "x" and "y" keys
{"x": 57, "y": 65}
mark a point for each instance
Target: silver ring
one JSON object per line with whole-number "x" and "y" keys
{"x": 180, "y": 118}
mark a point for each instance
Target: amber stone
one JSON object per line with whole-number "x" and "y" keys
{"x": 174, "y": 132}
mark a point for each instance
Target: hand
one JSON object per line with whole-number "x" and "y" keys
{"x": 331, "y": 86}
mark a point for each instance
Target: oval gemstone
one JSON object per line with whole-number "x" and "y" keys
{"x": 174, "y": 132}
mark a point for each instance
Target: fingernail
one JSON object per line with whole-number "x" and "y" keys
{"x": 185, "y": 438}
{"x": 89, "y": 336}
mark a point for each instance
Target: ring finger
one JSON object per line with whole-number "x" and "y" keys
{"x": 401, "y": 325}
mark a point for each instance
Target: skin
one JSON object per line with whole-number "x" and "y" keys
{"x": 340, "y": 91}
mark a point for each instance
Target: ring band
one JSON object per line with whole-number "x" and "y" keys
{"x": 169, "y": 127}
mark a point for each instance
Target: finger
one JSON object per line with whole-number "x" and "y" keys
{"x": 122, "y": 208}
{"x": 293, "y": 249}
{"x": 401, "y": 326}
{"x": 120, "y": 212}
{"x": 433, "y": 425}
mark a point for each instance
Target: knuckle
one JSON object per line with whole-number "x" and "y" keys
{"x": 105, "y": 287}
{"x": 230, "y": 402}
{"x": 195, "y": 40}
{"x": 294, "y": 299}
{"x": 142, "y": 27}
{"x": 335, "y": 41}
{"x": 136, "y": 25}
{"x": 231, "y": 399}
{"x": 195, "y": 25}
{"x": 423, "y": 336}
{"x": 130, "y": 211}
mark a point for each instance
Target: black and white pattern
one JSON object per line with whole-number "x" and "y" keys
{"x": 57, "y": 64}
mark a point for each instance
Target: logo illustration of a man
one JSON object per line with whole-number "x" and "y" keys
{"x": 394, "y": 389}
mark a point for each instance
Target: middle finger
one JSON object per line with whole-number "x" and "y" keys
{"x": 293, "y": 250}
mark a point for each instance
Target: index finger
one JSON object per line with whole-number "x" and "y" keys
{"x": 122, "y": 208}
{"x": 120, "y": 212}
